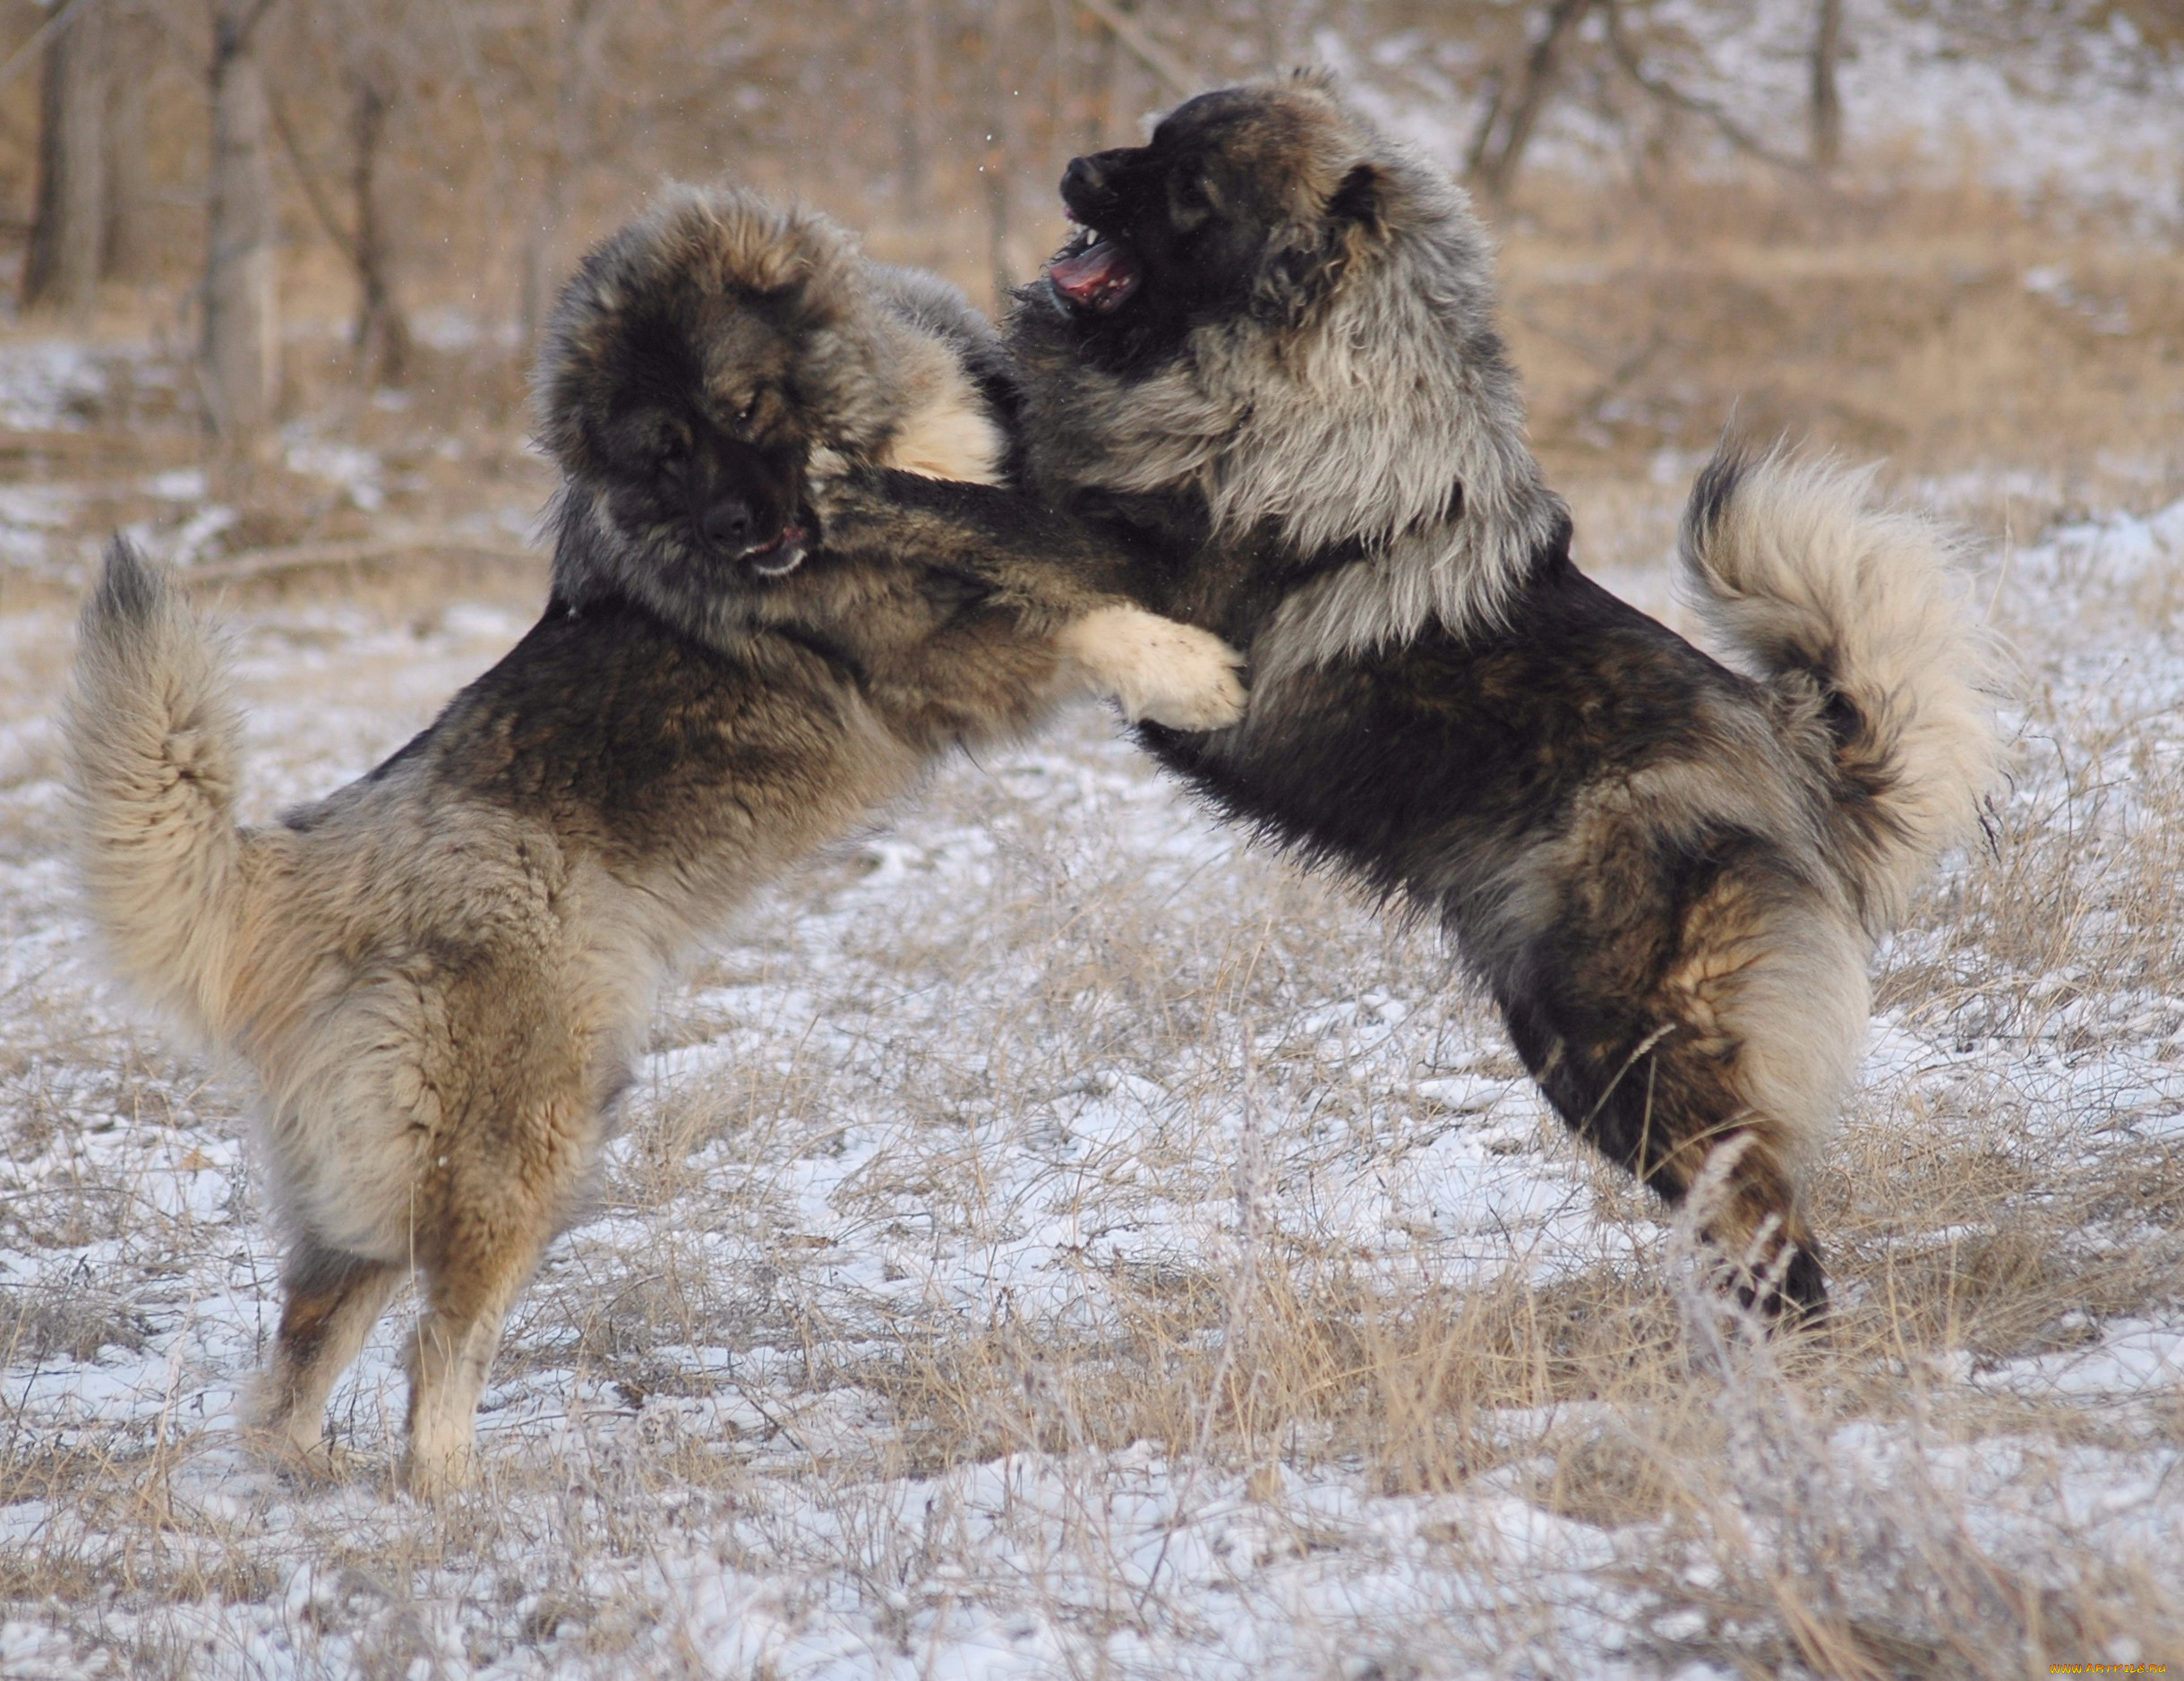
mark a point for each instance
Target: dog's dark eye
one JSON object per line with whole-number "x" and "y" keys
{"x": 744, "y": 414}
{"x": 1190, "y": 201}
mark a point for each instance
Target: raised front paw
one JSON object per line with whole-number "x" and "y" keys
{"x": 1159, "y": 670}
{"x": 844, "y": 495}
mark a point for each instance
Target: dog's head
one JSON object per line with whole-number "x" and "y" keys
{"x": 691, "y": 367}
{"x": 1246, "y": 201}
{"x": 1276, "y": 318}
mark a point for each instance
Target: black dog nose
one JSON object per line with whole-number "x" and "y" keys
{"x": 1083, "y": 179}
{"x": 728, "y": 524}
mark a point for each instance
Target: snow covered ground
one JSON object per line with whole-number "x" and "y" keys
{"x": 1052, "y": 1237}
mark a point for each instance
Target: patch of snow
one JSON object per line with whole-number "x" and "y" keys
{"x": 355, "y": 470}
{"x": 49, "y": 385}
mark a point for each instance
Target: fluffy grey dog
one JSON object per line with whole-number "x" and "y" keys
{"x": 440, "y": 974}
{"x": 1268, "y": 363}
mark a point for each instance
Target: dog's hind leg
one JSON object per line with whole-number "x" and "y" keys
{"x": 1770, "y": 992}
{"x": 1732, "y": 1018}
{"x": 498, "y": 1214}
{"x": 331, "y": 1301}
{"x": 503, "y": 1187}
{"x": 468, "y": 1296}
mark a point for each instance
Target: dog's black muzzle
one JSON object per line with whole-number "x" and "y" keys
{"x": 745, "y": 500}
{"x": 1089, "y": 183}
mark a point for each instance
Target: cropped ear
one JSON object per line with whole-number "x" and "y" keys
{"x": 1361, "y": 200}
{"x": 1353, "y": 222}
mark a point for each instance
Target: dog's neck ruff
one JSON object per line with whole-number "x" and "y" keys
{"x": 1388, "y": 418}
{"x": 594, "y": 559}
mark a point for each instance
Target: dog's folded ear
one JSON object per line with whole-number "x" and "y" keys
{"x": 1351, "y": 225}
{"x": 1360, "y": 203}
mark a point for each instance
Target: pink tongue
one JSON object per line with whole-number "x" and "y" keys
{"x": 1099, "y": 277}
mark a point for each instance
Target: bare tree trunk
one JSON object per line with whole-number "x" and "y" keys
{"x": 1285, "y": 27}
{"x": 1826, "y": 107}
{"x": 242, "y": 341}
{"x": 538, "y": 269}
{"x": 1500, "y": 155}
{"x": 1490, "y": 116}
{"x": 62, "y": 267}
{"x": 381, "y": 333}
{"x": 1100, "y": 100}
{"x": 994, "y": 170}
{"x": 1001, "y": 143}
{"x": 585, "y": 29}
{"x": 922, "y": 106}
{"x": 1129, "y": 88}
{"x": 127, "y": 249}
{"x": 1059, "y": 124}
{"x": 994, "y": 173}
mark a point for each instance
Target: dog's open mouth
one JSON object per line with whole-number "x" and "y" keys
{"x": 780, "y": 557}
{"x": 1097, "y": 278}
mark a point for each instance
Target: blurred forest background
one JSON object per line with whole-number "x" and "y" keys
{"x": 1886, "y": 223}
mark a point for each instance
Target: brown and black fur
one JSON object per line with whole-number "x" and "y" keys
{"x": 441, "y": 974}
{"x": 1269, "y": 364}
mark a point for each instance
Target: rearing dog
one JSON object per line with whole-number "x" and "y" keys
{"x": 441, "y": 974}
{"x": 1269, "y": 362}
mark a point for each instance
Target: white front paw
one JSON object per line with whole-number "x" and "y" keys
{"x": 1157, "y": 669}
{"x": 1195, "y": 682}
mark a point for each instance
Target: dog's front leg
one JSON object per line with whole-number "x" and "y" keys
{"x": 1061, "y": 578}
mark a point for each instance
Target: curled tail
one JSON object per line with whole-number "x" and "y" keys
{"x": 151, "y": 763}
{"x": 1859, "y": 613}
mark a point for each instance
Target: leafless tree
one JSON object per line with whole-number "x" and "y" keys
{"x": 919, "y": 96}
{"x": 381, "y": 334}
{"x": 1672, "y": 93}
{"x": 576, "y": 51}
{"x": 360, "y": 47}
{"x": 241, "y": 338}
{"x": 134, "y": 40}
{"x": 1285, "y": 26}
{"x": 1827, "y": 139}
{"x": 1512, "y": 116}
{"x": 68, "y": 234}
{"x": 993, "y": 40}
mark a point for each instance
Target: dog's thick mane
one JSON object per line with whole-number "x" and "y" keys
{"x": 1353, "y": 425}
{"x": 695, "y": 247}
{"x": 891, "y": 367}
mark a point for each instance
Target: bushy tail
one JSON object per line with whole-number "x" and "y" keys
{"x": 151, "y": 763}
{"x": 1861, "y": 611}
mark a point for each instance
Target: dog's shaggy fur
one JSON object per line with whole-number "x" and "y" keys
{"x": 1269, "y": 361}
{"x": 441, "y": 974}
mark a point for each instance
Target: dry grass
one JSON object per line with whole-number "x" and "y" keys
{"x": 1947, "y": 332}
{"x": 1048, "y": 1233}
